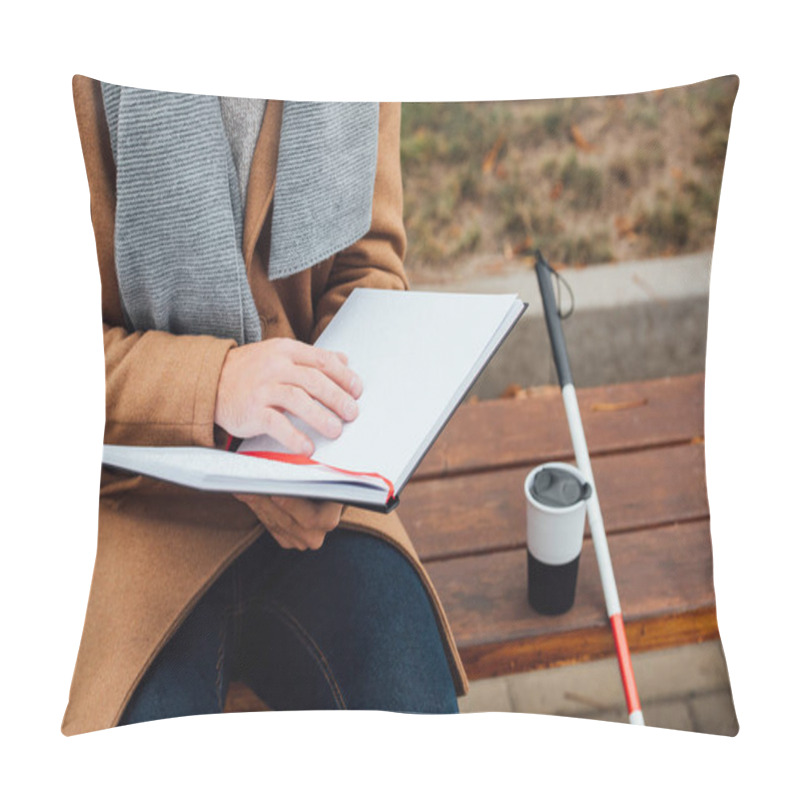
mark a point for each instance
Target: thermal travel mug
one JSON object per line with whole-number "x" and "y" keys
{"x": 556, "y": 497}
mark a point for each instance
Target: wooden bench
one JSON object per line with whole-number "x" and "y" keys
{"x": 465, "y": 512}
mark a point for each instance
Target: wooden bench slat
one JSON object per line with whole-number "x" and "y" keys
{"x": 664, "y": 579}
{"x": 564, "y": 648}
{"x": 504, "y": 432}
{"x": 475, "y": 513}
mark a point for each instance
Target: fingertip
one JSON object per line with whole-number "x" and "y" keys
{"x": 333, "y": 427}
{"x": 350, "y": 410}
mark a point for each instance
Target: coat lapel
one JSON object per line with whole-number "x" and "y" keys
{"x": 261, "y": 184}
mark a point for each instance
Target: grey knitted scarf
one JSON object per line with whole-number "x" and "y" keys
{"x": 178, "y": 225}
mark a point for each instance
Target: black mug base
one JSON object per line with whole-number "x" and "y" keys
{"x": 551, "y": 589}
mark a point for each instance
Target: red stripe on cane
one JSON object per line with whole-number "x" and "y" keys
{"x": 297, "y": 458}
{"x": 625, "y": 666}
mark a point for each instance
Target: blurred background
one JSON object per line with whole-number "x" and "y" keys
{"x": 588, "y": 180}
{"x": 621, "y": 195}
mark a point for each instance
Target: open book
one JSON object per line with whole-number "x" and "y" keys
{"x": 417, "y": 354}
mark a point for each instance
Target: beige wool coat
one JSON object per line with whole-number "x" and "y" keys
{"x": 161, "y": 545}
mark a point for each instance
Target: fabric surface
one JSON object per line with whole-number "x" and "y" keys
{"x": 242, "y": 118}
{"x": 323, "y": 189}
{"x": 161, "y": 548}
{"x": 306, "y": 631}
{"x": 179, "y": 216}
{"x": 180, "y": 189}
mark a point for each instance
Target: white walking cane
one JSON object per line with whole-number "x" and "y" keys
{"x": 553, "y": 319}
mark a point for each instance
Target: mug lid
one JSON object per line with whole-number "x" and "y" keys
{"x": 558, "y": 488}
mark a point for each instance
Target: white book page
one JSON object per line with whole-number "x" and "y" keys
{"x": 412, "y": 351}
{"x": 196, "y": 466}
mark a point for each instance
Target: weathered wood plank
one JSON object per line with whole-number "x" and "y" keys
{"x": 572, "y": 647}
{"x": 473, "y": 513}
{"x": 662, "y": 575}
{"x": 618, "y": 417}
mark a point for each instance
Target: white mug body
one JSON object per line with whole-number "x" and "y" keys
{"x": 555, "y": 539}
{"x": 555, "y": 535}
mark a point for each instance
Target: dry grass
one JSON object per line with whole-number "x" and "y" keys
{"x": 587, "y": 180}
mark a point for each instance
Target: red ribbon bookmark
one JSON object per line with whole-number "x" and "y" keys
{"x": 296, "y": 458}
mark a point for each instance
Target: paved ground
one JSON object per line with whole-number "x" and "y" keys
{"x": 684, "y": 688}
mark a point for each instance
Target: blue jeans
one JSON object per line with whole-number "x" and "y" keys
{"x": 346, "y": 626}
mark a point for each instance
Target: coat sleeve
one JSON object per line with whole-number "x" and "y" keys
{"x": 160, "y": 388}
{"x": 376, "y": 260}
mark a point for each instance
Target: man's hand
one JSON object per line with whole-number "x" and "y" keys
{"x": 260, "y": 381}
{"x": 294, "y": 522}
